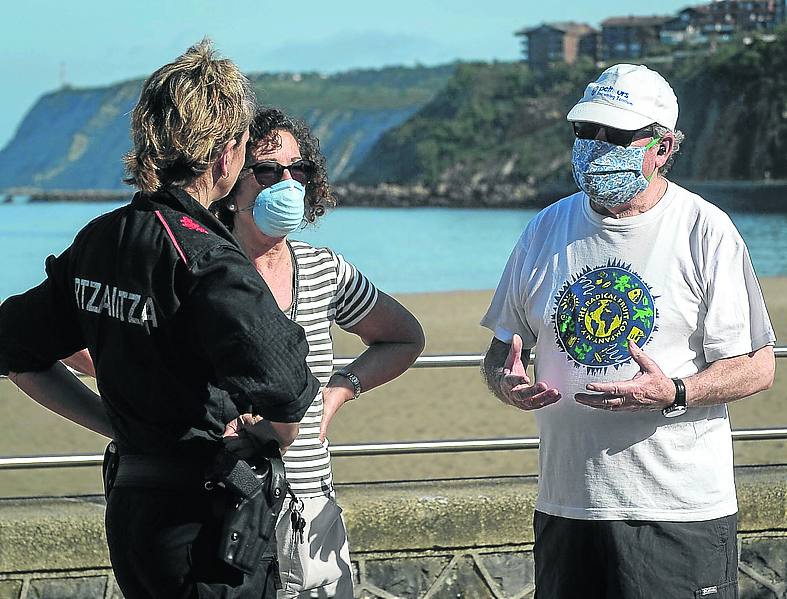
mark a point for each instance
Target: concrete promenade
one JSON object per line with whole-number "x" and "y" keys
{"x": 468, "y": 538}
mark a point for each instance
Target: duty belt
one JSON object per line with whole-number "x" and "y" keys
{"x": 160, "y": 472}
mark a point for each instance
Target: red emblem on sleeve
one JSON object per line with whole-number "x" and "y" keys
{"x": 190, "y": 223}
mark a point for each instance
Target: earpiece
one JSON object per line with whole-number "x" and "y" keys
{"x": 662, "y": 150}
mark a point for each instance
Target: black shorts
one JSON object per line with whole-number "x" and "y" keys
{"x": 614, "y": 559}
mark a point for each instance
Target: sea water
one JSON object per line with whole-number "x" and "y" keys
{"x": 402, "y": 250}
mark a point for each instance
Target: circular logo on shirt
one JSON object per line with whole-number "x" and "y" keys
{"x": 599, "y": 312}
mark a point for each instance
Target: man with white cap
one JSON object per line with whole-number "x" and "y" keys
{"x": 646, "y": 317}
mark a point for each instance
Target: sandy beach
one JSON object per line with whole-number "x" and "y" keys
{"x": 423, "y": 404}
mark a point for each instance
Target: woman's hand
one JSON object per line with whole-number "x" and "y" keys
{"x": 81, "y": 362}
{"x": 338, "y": 391}
{"x": 236, "y": 439}
{"x": 246, "y": 434}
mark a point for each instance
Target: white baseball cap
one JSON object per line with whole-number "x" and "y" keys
{"x": 628, "y": 96}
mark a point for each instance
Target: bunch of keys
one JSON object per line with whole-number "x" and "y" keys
{"x": 297, "y": 519}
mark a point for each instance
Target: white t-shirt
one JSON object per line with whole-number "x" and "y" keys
{"x": 677, "y": 280}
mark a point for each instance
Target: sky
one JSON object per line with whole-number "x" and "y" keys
{"x": 91, "y": 43}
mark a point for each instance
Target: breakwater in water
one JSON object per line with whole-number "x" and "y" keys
{"x": 349, "y": 194}
{"x": 80, "y": 195}
{"x": 746, "y": 196}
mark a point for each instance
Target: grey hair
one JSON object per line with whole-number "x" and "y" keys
{"x": 661, "y": 131}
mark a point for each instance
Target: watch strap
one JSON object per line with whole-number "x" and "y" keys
{"x": 678, "y": 406}
{"x": 354, "y": 381}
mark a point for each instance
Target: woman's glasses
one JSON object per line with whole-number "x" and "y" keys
{"x": 619, "y": 137}
{"x": 269, "y": 172}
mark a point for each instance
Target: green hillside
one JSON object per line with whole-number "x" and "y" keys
{"x": 491, "y": 123}
{"x": 391, "y": 88}
{"x": 504, "y": 124}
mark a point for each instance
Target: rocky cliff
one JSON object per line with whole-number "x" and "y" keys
{"x": 734, "y": 113}
{"x": 75, "y": 138}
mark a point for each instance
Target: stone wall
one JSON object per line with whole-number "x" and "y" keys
{"x": 454, "y": 538}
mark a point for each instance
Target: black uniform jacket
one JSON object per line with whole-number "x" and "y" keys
{"x": 176, "y": 319}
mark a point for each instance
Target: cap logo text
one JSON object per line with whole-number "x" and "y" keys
{"x": 611, "y": 93}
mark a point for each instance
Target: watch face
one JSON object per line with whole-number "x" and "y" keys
{"x": 674, "y": 411}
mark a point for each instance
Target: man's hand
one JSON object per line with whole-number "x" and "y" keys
{"x": 514, "y": 384}
{"x": 333, "y": 398}
{"x": 650, "y": 389}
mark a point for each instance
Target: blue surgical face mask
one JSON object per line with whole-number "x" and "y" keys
{"x": 278, "y": 209}
{"x": 611, "y": 175}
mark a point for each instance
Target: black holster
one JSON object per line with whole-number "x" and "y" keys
{"x": 256, "y": 497}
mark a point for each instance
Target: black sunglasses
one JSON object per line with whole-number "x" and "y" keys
{"x": 269, "y": 172}
{"x": 619, "y": 137}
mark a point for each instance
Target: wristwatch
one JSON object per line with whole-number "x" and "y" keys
{"x": 350, "y": 376}
{"x": 677, "y": 407}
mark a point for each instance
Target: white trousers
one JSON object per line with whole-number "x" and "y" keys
{"x": 320, "y": 566}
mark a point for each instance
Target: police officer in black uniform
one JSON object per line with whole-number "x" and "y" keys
{"x": 183, "y": 332}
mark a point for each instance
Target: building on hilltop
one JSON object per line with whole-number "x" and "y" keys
{"x": 688, "y": 27}
{"x": 565, "y": 42}
{"x": 747, "y": 15}
{"x": 721, "y": 20}
{"x": 624, "y": 38}
{"x": 635, "y": 37}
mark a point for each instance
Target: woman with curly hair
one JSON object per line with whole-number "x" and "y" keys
{"x": 282, "y": 186}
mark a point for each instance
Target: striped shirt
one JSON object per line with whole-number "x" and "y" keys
{"x": 328, "y": 289}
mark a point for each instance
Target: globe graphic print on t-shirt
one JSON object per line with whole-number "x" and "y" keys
{"x": 599, "y": 312}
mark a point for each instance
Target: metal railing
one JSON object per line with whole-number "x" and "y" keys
{"x": 405, "y": 448}
{"x": 475, "y": 359}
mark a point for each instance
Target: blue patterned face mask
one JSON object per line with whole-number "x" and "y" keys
{"x": 278, "y": 209}
{"x": 611, "y": 175}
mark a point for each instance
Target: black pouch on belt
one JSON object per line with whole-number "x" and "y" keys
{"x": 109, "y": 467}
{"x": 257, "y": 493}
